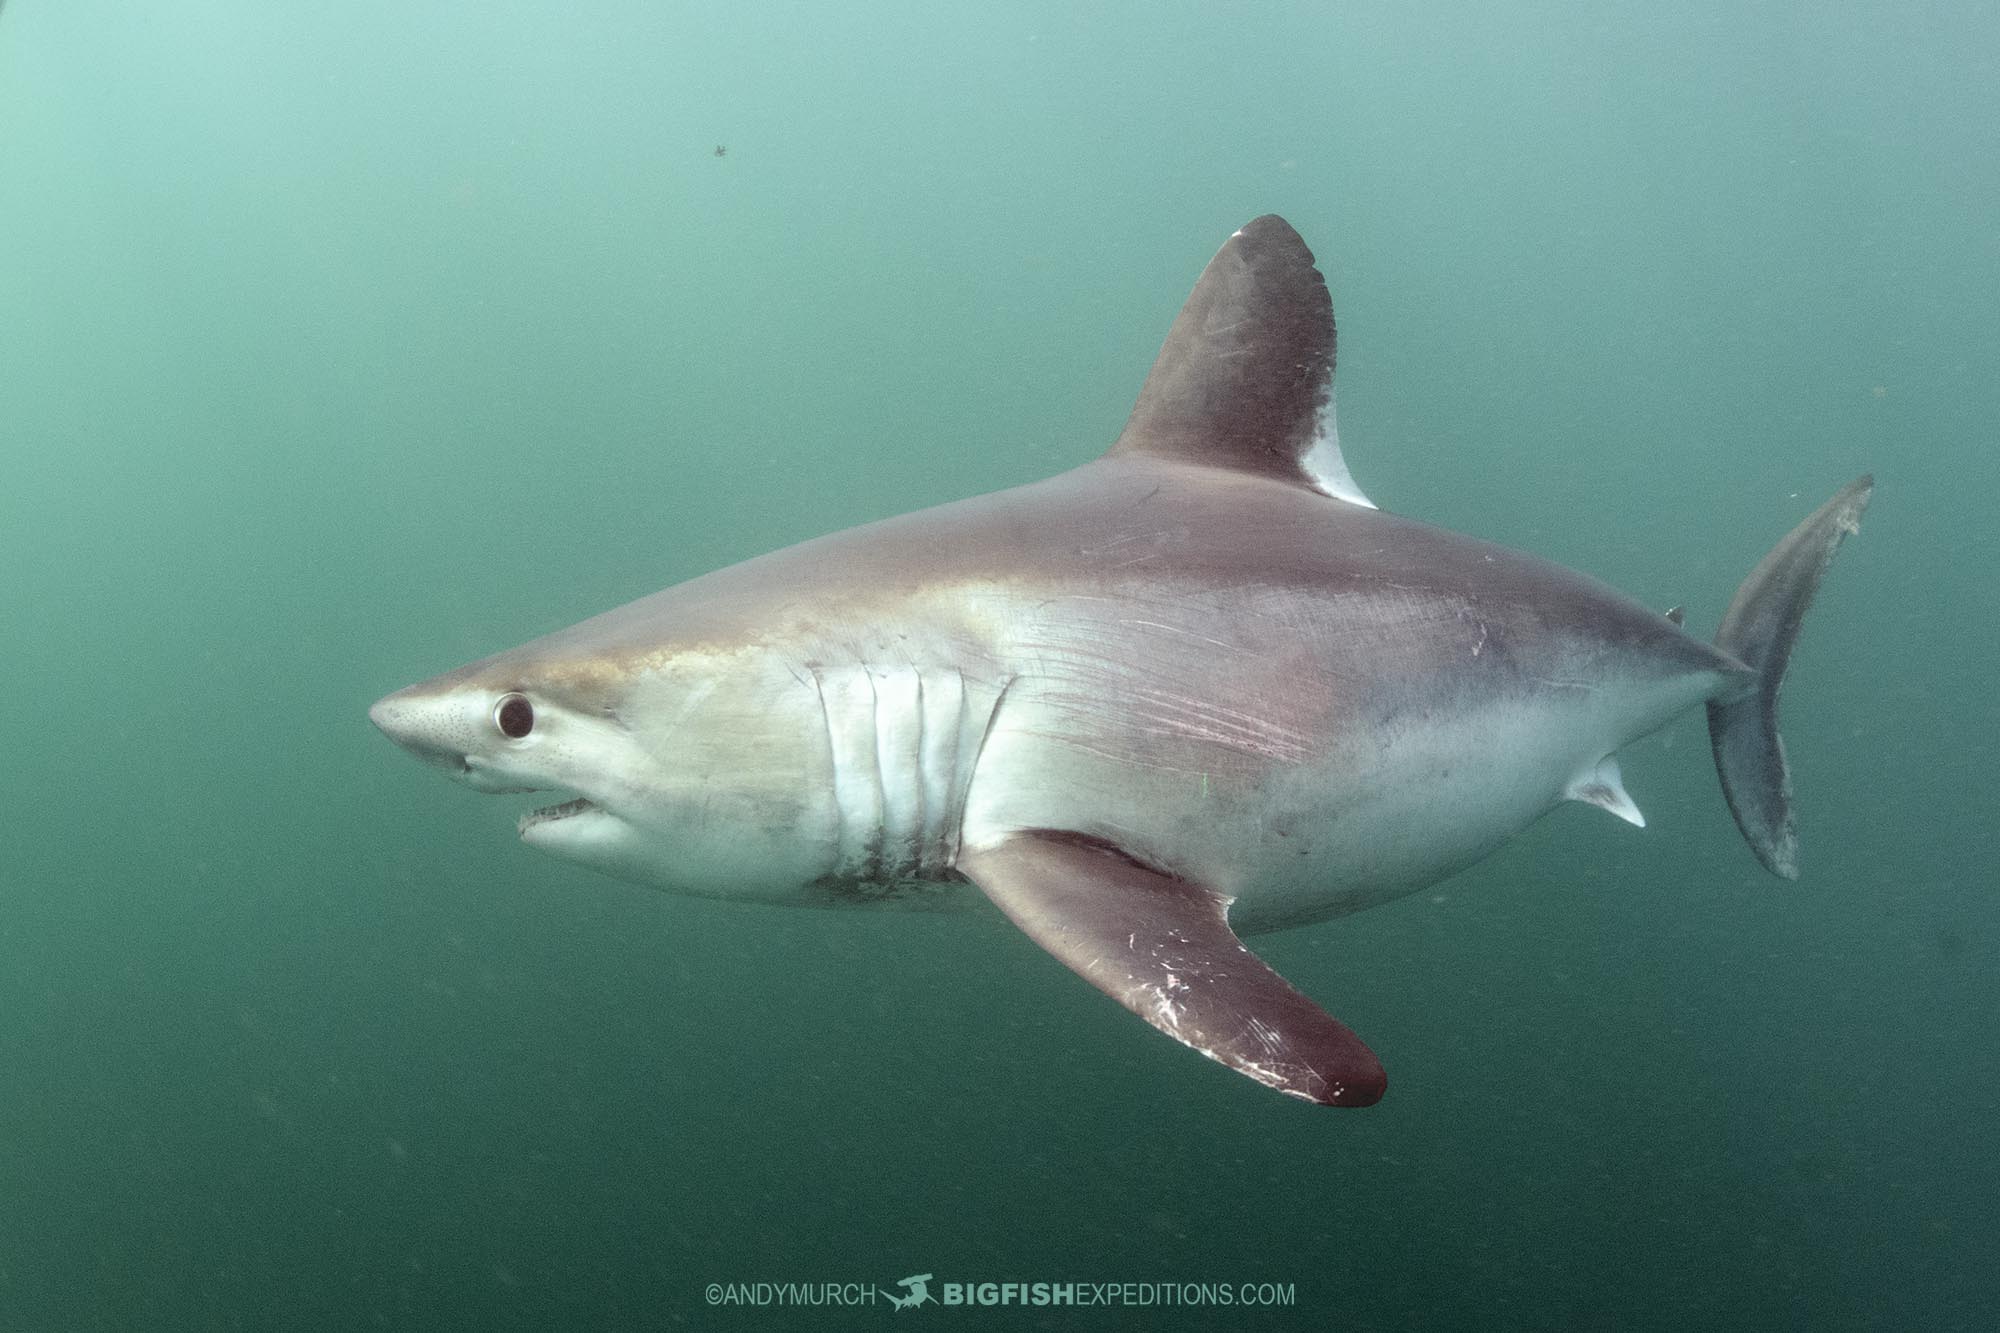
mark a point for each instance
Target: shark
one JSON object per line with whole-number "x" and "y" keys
{"x": 1198, "y": 688}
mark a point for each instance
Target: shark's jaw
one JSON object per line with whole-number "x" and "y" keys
{"x": 583, "y": 831}
{"x": 549, "y": 814}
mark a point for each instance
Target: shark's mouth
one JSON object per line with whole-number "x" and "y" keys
{"x": 550, "y": 813}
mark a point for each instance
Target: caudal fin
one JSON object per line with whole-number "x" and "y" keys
{"x": 1759, "y": 630}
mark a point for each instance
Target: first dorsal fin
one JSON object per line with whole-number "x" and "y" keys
{"x": 1245, "y": 379}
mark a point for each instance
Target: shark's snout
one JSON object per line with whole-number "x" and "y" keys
{"x": 384, "y": 714}
{"x": 422, "y": 728}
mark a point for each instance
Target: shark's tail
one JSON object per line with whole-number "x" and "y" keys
{"x": 1759, "y": 630}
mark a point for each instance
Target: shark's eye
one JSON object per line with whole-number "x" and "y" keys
{"x": 514, "y": 715}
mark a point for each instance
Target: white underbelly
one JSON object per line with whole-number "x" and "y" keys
{"x": 1378, "y": 811}
{"x": 1377, "y": 821}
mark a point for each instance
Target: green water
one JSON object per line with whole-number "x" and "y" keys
{"x": 340, "y": 344}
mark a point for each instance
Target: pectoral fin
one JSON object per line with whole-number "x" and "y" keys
{"x": 1162, "y": 947}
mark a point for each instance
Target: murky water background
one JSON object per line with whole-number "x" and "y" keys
{"x": 342, "y": 344}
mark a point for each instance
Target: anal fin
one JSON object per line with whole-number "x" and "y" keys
{"x": 1162, "y": 947}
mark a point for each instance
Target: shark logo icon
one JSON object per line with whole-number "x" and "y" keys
{"x": 918, "y": 1292}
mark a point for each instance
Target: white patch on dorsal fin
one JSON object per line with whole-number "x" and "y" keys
{"x": 1677, "y": 614}
{"x": 1323, "y": 463}
{"x": 1602, "y": 785}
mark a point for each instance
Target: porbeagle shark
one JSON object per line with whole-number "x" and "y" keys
{"x": 1198, "y": 688}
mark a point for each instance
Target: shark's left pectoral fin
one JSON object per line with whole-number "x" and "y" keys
{"x": 1162, "y": 947}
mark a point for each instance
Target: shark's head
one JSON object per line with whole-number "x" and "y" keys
{"x": 499, "y": 728}
{"x": 633, "y": 744}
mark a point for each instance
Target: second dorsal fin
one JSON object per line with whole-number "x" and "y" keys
{"x": 1245, "y": 379}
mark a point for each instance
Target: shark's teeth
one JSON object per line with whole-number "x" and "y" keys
{"x": 552, "y": 812}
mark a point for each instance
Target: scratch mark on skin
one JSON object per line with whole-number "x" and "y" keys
{"x": 1071, "y": 597}
{"x": 1165, "y": 1004}
{"x": 1184, "y": 632}
{"x": 1113, "y": 756}
{"x": 1182, "y": 715}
